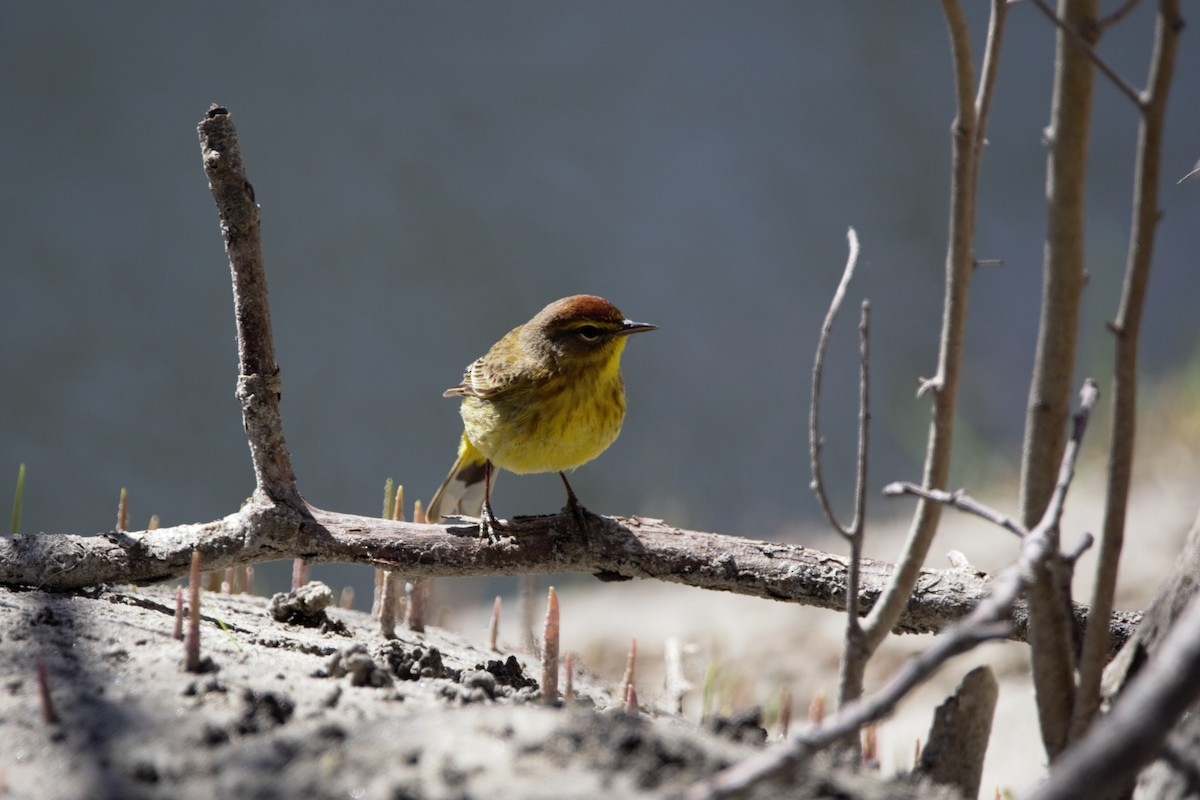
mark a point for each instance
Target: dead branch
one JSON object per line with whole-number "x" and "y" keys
{"x": 958, "y": 738}
{"x": 258, "y": 386}
{"x": 987, "y": 621}
{"x": 1117, "y": 15}
{"x": 1079, "y": 41}
{"x": 968, "y": 134}
{"x": 1129, "y": 736}
{"x": 627, "y": 547}
{"x": 1053, "y": 650}
{"x": 854, "y": 650}
{"x": 1126, "y": 328}
{"x": 815, "y": 440}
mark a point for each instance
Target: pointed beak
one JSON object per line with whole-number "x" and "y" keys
{"x": 629, "y": 326}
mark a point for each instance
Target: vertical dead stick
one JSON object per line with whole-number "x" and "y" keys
{"x": 550, "y": 650}
{"x": 299, "y": 573}
{"x": 677, "y": 685}
{"x": 123, "y": 511}
{"x": 43, "y": 676}
{"x": 785, "y": 712}
{"x": 568, "y": 679}
{"x": 388, "y": 596}
{"x": 192, "y": 645}
{"x": 630, "y": 668}
{"x": 177, "y": 631}
{"x": 378, "y": 592}
{"x": 417, "y": 590}
{"x": 527, "y": 589}
{"x": 494, "y": 626}
{"x": 258, "y": 386}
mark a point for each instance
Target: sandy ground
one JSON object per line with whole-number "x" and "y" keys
{"x": 288, "y": 710}
{"x": 292, "y": 710}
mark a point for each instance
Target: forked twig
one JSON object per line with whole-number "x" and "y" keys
{"x": 1079, "y": 41}
{"x": 854, "y": 652}
{"x": 815, "y": 442}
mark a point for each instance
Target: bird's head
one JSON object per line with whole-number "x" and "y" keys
{"x": 580, "y": 330}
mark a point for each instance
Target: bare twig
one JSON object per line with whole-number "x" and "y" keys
{"x": 300, "y": 572}
{"x": 1131, "y": 734}
{"x": 389, "y": 501}
{"x": 1169, "y": 603}
{"x": 785, "y": 711}
{"x": 855, "y": 652}
{"x": 980, "y": 627}
{"x": 962, "y": 501}
{"x": 968, "y": 135}
{"x": 49, "y": 716}
{"x": 1053, "y": 652}
{"x": 258, "y": 379}
{"x": 815, "y": 441}
{"x": 389, "y": 600}
{"x": 1127, "y": 326}
{"x": 987, "y": 84}
{"x": 986, "y": 622}
{"x": 1084, "y": 45}
{"x": 568, "y": 692}
{"x": 550, "y": 634}
{"x": 191, "y": 645}
{"x": 676, "y": 684}
{"x": 1117, "y": 15}
{"x": 494, "y": 626}
{"x": 417, "y": 590}
{"x": 177, "y": 630}
{"x": 627, "y": 680}
{"x": 123, "y": 511}
{"x": 527, "y": 591}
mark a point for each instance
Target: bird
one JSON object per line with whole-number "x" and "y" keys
{"x": 547, "y": 397}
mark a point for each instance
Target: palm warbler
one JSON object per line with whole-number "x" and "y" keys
{"x": 547, "y": 397}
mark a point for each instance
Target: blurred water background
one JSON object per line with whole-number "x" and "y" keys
{"x": 431, "y": 174}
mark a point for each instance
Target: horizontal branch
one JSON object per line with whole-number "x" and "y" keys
{"x": 616, "y": 548}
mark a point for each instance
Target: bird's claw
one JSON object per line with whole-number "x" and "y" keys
{"x": 489, "y": 525}
{"x": 580, "y": 514}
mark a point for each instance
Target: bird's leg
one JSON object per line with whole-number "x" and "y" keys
{"x": 574, "y": 506}
{"x": 488, "y": 524}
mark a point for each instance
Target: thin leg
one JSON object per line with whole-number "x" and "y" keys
{"x": 488, "y": 524}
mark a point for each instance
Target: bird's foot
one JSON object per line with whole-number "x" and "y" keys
{"x": 584, "y": 519}
{"x": 489, "y": 526}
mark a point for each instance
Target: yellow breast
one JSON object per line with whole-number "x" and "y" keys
{"x": 553, "y": 426}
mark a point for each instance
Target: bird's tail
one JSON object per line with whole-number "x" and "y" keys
{"x": 463, "y": 490}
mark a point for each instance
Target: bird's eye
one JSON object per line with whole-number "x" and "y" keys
{"x": 589, "y": 333}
